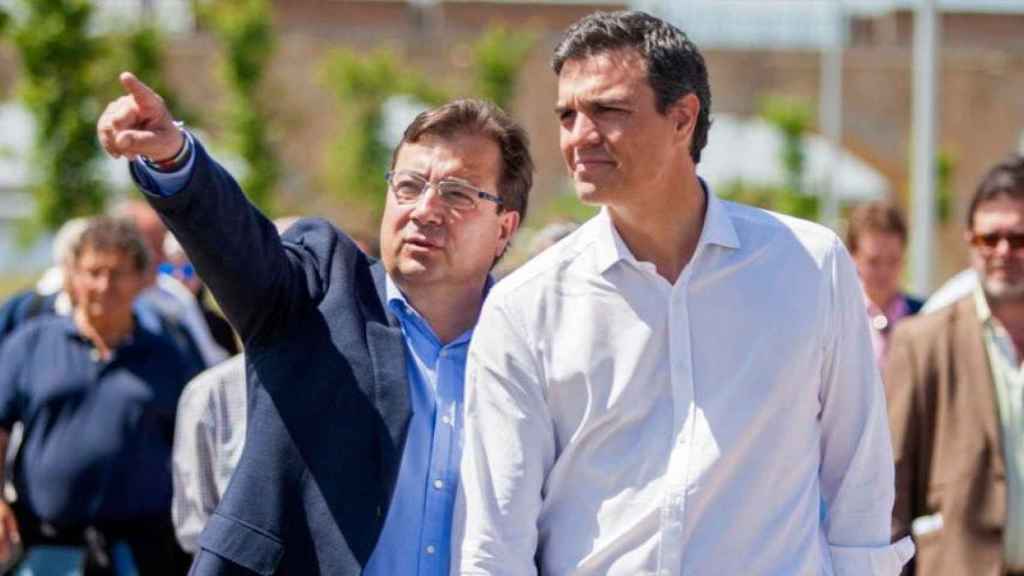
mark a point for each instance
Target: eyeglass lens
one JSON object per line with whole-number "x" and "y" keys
{"x": 1015, "y": 240}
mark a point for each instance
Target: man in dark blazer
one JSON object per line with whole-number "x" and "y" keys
{"x": 954, "y": 383}
{"x": 355, "y": 366}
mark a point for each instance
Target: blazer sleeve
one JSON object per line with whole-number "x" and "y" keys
{"x": 260, "y": 281}
{"x": 909, "y": 425}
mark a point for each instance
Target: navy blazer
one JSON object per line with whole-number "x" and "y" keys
{"x": 328, "y": 392}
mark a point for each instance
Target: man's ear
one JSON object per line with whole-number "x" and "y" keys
{"x": 508, "y": 223}
{"x": 684, "y": 113}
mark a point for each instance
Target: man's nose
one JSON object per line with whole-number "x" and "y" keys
{"x": 101, "y": 282}
{"x": 430, "y": 206}
{"x": 583, "y": 131}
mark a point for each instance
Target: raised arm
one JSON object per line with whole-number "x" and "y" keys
{"x": 259, "y": 281}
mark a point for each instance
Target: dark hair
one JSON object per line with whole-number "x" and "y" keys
{"x": 470, "y": 116}
{"x": 108, "y": 234}
{"x": 1003, "y": 179}
{"x": 880, "y": 217}
{"x": 675, "y": 67}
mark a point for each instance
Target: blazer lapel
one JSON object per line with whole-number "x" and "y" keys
{"x": 974, "y": 368}
{"x": 391, "y": 388}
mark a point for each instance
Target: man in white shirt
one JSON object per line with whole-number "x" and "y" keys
{"x": 683, "y": 385}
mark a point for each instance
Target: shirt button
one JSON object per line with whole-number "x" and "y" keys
{"x": 431, "y": 550}
{"x": 438, "y": 484}
{"x": 446, "y": 419}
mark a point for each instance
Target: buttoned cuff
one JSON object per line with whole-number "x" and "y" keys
{"x": 871, "y": 560}
{"x": 169, "y": 183}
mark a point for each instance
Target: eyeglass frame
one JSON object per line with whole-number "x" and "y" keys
{"x": 428, "y": 184}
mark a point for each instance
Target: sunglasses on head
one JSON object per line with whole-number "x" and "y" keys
{"x": 1014, "y": 240}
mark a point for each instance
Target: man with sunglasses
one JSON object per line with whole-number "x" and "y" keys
{"x": 955, "y": 386}
{"x": 355, "y": 367}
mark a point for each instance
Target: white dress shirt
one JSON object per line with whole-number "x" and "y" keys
{"x": 209, "y": 435}
{"x": 731, "y": 423}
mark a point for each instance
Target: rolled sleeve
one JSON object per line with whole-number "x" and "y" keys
{"x": 875, "y": 560}
{"x": 509, "y": 447}
{"x": 857, "y": 471}
{"x": 195, "y": 494}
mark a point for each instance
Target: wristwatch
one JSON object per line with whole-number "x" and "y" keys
{"x": 176, "y": 162}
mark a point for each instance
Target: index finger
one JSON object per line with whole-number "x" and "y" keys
{"x": 144, "y": 96}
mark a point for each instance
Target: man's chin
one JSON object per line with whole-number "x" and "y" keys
{"x": 417, "y": 268}
{"x": 1001, "y": 290}
{"x": 589, "y": 193}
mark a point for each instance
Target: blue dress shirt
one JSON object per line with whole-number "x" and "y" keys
{"x": 416, "y": 538}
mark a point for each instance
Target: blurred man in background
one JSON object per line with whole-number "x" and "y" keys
{"x": 166, "y": 301}
{"x": 49, "y": 296}
{"x": 96, "y": 392}
{"x": 876, "y": 237}
{"x": 177, "y": 266}
{"x": 955, "y": 387}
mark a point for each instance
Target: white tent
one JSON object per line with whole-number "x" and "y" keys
{"x": 750, "y": 149}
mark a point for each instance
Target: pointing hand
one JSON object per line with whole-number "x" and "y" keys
{"x": 139, "y": 124}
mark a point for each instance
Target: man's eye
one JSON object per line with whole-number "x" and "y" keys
{"x": 457, "y": 193}
{"x": 408, "y": 187}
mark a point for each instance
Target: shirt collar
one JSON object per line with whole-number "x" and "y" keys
{"x": 400, "y": 307}
{"x": 981, "y": 305}
{"x": 718, "y": 230}
{"x": 72, "y": 331}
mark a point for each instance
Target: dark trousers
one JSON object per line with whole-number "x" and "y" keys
{"x": 151, "y": 541}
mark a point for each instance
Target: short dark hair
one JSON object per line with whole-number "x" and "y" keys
{"x": 675, "y": 67}
{"x": 1004, "y": 179}
{"x": 109, "y": 234}
{"x": 879, "y": 217}
{"x": 471, "y": 116}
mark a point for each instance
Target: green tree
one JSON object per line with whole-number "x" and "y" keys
{"x": 358, "y": 159}
{"x": 140, "y": 50}
{"x": 58, "y": 62}
{"x": 792, "y": 119}
{"x": 498, "y": 56}
{"x": 245, "y": 29}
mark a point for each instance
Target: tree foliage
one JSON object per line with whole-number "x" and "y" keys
{"x": 144, "y": 57}
{"x": 58, "y": 60}
{"x": 498, "y": 56}
{"x": 67, "y": 74}
{"x": 363, "y": 83}
{"x": 791, "y": 118}
{"x": 245, "y": 30}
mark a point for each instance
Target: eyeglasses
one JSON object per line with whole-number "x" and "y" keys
{"x": 408, "y": 187}
{"x": 183, "y": 271}
{"x": 1014, "y": 240}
